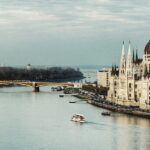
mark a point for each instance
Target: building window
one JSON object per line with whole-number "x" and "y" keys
{"x": 136, "y": 99}
{"x": 135, "y": 85}
{"x": 130, "y": 85}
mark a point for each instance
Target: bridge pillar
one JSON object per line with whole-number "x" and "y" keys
{"x": 36, "y": 89}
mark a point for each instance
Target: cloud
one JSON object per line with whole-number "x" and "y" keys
{"x": 75, "y": 14}
{"x": 80, "y": 17}
{"x": 19, "y": 15}
{"x": 80, "y": 25}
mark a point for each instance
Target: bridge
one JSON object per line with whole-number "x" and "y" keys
{"x": 36, "y": 85}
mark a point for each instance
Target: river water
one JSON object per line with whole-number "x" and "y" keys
{"x": 41, "y": 121}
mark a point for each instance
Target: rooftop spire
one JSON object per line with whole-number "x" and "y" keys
{"x": 129, "y": 66}
{"x": 133, "y": 56}
{"x": 129, "y": 49}
{"x": 137, "y": 55}
{"x": 123, "y": 52}
{"x": 123, "y": 61}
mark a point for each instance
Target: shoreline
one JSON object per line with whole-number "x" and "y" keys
{"x": 127, "y": 110}
{"x": 103, "y": 103}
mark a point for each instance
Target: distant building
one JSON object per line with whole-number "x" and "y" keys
{"x": 129, "y": 84}
{"x": 103, "y": 77}
{"x": 29, "y": 67}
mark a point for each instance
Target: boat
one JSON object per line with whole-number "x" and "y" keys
{"x": 61, "y": 95}
{"x": 106, "y": 113}
{"x": 72, "y": 101}
{"x": 59, "y": 88}
{"x": 78, "y": 118}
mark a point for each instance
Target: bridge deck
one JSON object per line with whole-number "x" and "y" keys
{"x": 35, "y": 84}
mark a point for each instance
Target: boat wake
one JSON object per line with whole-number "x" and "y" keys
{"x": 94, "y": 123}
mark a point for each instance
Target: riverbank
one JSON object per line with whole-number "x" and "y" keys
{"x": 97, "y": 100}
{"x": 121, "y": 109}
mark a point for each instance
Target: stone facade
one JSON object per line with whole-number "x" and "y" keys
{"x": 129, "y": 83}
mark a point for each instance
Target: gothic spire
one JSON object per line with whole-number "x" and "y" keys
{"x": 129, "y": 49}
{"x": 112, "y": 70}
{"x": 129, "y": 66}
{"x": 123, "y": 52}
{"x": 137, "y": 55}
{"x": 129, "y": 57}
{"x": 133, "y": 56}
{"x": 122, "y": 61}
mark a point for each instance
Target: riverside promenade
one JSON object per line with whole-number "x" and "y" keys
{"x": 97, "y": 100}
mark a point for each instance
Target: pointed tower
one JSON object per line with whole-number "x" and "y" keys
{"x": 112, "y": 70}
{"x": 122, "y": 69}
{"x": 133, "y": 56}
{"x": 136, "y": 55}
{"x": 129, "y": 66}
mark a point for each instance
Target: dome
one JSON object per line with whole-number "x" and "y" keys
{"x": 147, "y": 48}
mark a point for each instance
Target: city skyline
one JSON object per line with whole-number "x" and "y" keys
{"x": 71, "y": 32}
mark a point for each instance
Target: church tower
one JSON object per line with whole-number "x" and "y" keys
{"x": 122, "y": 92}
{"x": 122, "y": 69}
{"x": 129, "y": 66}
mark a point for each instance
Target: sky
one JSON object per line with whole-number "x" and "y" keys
{"x": 71, "y": 32}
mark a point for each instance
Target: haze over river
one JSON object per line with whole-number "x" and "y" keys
{"x": 41, "y": 121}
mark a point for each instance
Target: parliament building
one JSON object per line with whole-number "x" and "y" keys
{"x": 129, "y": 83}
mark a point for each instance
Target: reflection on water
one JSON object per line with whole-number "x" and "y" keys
{"x": 41, "y": 121}
{"x": 134, "y": 130}
{"x": 130, "y": 120}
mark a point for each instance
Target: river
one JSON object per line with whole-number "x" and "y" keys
{"x": 41, "y": 121}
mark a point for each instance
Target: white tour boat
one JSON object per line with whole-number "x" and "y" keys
{"x": 78, "y": 118}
